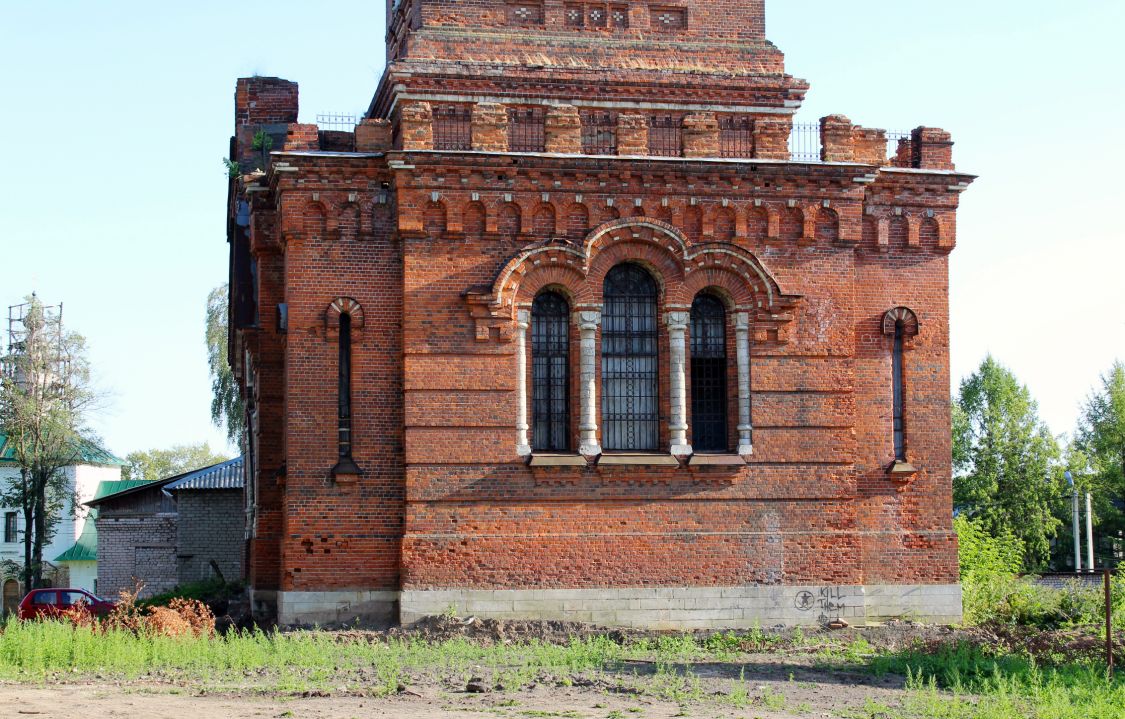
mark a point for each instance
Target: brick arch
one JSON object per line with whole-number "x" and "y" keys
{"x": 724, "y": 224}
{"x": 509, "y": 219}
{"x": 731, "y": 286}
{"x": 348, "y": 222}
{"x": 680, "y": 270}
{"x": 314, "y": 221}
{"x": 929, "y": 233}
{"x": 665, "y": 268}
{"x": 474, "y": 219}
{"x": 577, "y": 221}
{"x": 792, "y": 224}
{"x": 609, "y": 213}
{"x": 757, "y": 223}
{"x": 435, "y": 218}
{"x": 342, "y": 306}
{"x": 827, "y": 224}
{"x": 693, "y": 223}
{"x": 909, "y": 319}
{"x": 544, "y": 221}
{"x": 552, "y": 270}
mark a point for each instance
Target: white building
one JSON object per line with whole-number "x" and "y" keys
{"x": 74, "y": 544}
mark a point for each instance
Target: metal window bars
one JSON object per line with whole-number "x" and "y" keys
{"x": 338, "y": 121}
{"x": 599, "y": 133}
{"x": 630, "y": 359}
{"x": 708, "y": 375}
{"x": 666, "y": 135}
{"x": 453, "y": 127}
{"x": 550, "y": 373}
{"x": 804, "y": 142}
{"x": 736, "y": 136}
{"x": 526, "y": 129}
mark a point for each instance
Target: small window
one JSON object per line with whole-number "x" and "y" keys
{"x": 666, "y": 135}
{"x": 45, "y": 598}
{"x": 708, "y": 375}
{"x": 550, "y": 373}
{"x": 526, "y": 129}
{"x": 736, "y": 136}
{"x": 453, "y": 127}
{"x": 10, "y": 530}
{"x": 599, "y": 133}
{"x": 899, "y": 395}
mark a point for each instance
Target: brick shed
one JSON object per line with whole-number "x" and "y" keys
{"x": 169, "y": 532}
{"x": 579, "y": 324}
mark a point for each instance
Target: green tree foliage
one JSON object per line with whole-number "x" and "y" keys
{"x": 45, "y": 397}
{"x": 163, "y": 463}
{"x": 226, "y": 401}
{"x": 1097, "y": 457}
{"x": 1005, "y": 458}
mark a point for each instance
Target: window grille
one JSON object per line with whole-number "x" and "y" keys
{"x": 10, "y": 527}
{"x": 736, "y": 136}
{"x": 708, "y": 375}
{"x": 899, "y": 392}
{"x": 666, "y": 136}
{"x": 453, "y": 127}
{"x": 550, "y": 373}
{"x": 344, "y": 439}
{"x": 630, "y": 395}
{"x": 599, "y": 133}
{"x": 526, "y": 129}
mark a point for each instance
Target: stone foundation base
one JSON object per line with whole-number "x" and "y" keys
{"x": 681, "y": 608}
{"x": 697, "y": 607}
{"x": 370, "y": 608}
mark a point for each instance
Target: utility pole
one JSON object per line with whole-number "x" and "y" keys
{"x": 1077, "y": 534}
{"x": 1090, "y": 529}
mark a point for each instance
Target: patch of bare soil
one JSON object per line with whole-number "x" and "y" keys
{"x": 774, "y": 689}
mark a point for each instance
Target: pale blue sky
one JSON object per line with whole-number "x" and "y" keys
{"x": 116, "y": 116}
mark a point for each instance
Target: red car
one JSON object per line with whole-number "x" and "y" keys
{"x": 50, "y": 603}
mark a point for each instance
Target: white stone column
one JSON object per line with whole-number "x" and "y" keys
{"x": 588, "y": 323}
{"x": 523, "y": 321}
{"x": 677, "y": 425}
{"x": 742, "y": 342}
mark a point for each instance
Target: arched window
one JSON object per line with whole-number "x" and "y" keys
{"x": 899, "y": 323}
{"x": 899, "y": 392}
{"x": 630, "y": 396}
{"x": 550, "y": 373}
{"x": 345, "y": 464}
{"x": 708, "y": 375}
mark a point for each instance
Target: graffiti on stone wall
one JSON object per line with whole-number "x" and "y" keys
{"x": 829, "y": 601}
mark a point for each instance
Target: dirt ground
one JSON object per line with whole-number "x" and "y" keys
{"x": 777, "y": 688}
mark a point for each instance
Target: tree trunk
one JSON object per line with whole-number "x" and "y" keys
{"x": 28, "y": 516}
{"x": 40, "y": 533}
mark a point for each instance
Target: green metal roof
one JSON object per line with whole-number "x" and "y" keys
{"x": 86, "y": 548}
{"x": 111, "y": 487}
{"x": 90, "y": 454}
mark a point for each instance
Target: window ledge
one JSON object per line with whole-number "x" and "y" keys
{"x": 716, "y": 460}
{"x": 557, "y": 460}
{"x": 638, "y": 460}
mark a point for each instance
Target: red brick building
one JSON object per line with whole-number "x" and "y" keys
{"x": 564, "y": 329}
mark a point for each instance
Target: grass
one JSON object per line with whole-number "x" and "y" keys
{"x": 953, "y": 682}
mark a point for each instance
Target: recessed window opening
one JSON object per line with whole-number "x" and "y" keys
{"x": 899, "y": 392}
{"x": 550, "y": 373}
{"x": 708, "y": 374}
{"x": 630, "y": 389}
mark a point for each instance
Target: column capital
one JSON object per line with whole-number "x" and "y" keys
{"x": 678, "y": 320}
{"x": 588, "y": 319}
{"x": 742, "y": 321}
{"x": 523, "y": 319}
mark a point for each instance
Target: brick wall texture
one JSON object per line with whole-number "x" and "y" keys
{"x": 137, "y": 549}
{"x": 211, "y": 529}
{"x": 437, "y": 250}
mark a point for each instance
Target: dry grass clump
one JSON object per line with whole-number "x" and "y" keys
{"x": 181, "y": 618}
